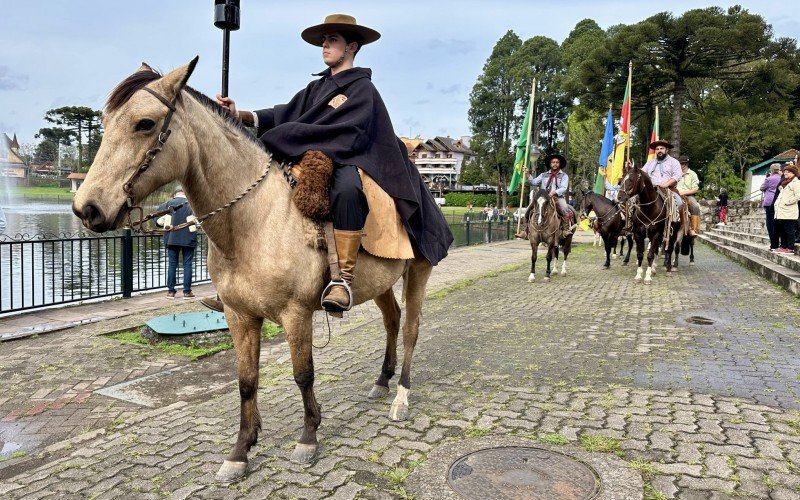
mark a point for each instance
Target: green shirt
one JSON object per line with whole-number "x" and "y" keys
{"x": 689, "y": 181}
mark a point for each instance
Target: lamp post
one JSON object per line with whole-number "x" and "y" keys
{"x": 226, "y": 17}
{"x": 536, "y": 152}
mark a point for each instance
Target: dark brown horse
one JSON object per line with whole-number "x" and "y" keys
{"x": 609, "y": 224}
{"x": 649, "y": 220}
{"x": 544, "y": 226}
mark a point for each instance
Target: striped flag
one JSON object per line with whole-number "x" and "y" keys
{"x": 606, "y": 154}
{"x": 651, "y": 153}
{"x": 622, "y": 141}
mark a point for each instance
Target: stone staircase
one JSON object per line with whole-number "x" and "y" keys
{"x": 745, "y": 240}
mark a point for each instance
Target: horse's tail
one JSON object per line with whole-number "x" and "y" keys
{"x": 405, "y": 283}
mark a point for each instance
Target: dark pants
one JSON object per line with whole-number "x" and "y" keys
{"x": 787, "y": 230}
{"x": 773, "y": 234}
{"x": 349, "y": 207}
{"x": 188, "y": 255}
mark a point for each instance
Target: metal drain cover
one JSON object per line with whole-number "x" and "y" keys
{"x": 515, "y": 472}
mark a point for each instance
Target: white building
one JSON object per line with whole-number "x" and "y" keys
{"x": 440, "y": 160}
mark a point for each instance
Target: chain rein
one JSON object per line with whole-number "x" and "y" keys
{"x": 163, "y": 135}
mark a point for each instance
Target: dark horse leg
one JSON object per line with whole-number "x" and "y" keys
{"x": 629, "y": 238}
{"x": 391, "y": 321}
{"x": 297, "y": 323}
{"x": 672, "y": 247}
{"x": 246, "y": 333}
{"x": 608, "y": 240}
{"x": 691, "y": 250}
{"x": 549, "y": 258}
{"x": 417, "y": 277}
{"x": 534, "y": 240}
{"x": 639, "y": 239}
{"x": 567, "y": 247}
{"x": 655, "y": 243}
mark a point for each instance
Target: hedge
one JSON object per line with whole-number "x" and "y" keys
{"x": 477, "y": 200}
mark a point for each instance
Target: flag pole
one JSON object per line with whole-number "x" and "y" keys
{"x": 630, "y": 102}
{"x": 605, "y": 168}
{"x": 527, "y": 149}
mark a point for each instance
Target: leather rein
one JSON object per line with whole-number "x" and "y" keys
{"x": 158, "y": 145}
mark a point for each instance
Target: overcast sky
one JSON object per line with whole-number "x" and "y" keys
{"x": 71, "y": 53}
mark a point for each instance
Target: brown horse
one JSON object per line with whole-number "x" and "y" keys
{"x": 649, "y": 220}
{"x": 259, "y": 257}
{"x": 544, "y": 226}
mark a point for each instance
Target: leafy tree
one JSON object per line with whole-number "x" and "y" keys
{"x": 80, "y": 119}
{"x": 47, "y": 150}
{"x": 670, "y": 52}
{"x": 492, "y": 112}
{"x": 720, "y": 174}
{"x": 472, "y": 174}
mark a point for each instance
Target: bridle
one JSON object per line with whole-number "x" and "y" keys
{"x": 158, "y": 145}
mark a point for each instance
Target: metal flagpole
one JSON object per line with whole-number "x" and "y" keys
{"x": 226, "y": 17}
{"x": 527, "y": 149}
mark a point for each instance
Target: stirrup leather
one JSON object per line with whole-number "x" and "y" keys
{"x": 342, "y": 283}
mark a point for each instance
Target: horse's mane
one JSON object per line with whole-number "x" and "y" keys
{"x": 123, "y": 92}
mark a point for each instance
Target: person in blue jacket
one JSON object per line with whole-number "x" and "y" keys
{"x": 179, "y": 243}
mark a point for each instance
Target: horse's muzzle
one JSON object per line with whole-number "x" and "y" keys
{"x": 94, "y": 219}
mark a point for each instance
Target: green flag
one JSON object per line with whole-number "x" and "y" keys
{"x": 520, "y": 162}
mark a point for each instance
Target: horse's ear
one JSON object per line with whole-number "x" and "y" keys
{"x": 174, "y": 81}
{"x": 145, "y": 67}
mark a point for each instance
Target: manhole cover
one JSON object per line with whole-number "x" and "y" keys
{"x": 699, "y": 320}
{"x": 520, "y": 473}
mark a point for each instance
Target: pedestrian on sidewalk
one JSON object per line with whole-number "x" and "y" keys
{"x": 786, "y": 210}
{"x": 179, "y": 243}
{"x": 722, "y": 205}
{"x": 769, "y": 188}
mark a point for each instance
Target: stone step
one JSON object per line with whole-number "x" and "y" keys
{"x": 783, "y": 276}
{"x": 760, "y": 250}
{"x": 755, "y": 237}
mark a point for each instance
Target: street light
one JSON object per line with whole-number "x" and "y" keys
{"x": 226, "y": 18}
{"x": 536, "y": 152}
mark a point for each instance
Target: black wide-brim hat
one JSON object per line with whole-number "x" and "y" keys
{"x": 339, "y": 23}
{"x": 560, "y": 159}
{"x": 655, "y": 144}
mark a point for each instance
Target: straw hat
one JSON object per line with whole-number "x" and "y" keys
{"x": 340, "y": 23}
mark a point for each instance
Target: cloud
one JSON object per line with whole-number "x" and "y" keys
{"x": 11, "y": 81}
{"x": 421, "y": 102}
{"x": 452, "y": 89}
{"x": 452, "y": 45}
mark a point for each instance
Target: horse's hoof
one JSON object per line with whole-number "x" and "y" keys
{"x": 398, "y": 412}
{"x": 378, "y": 392}
{"x": 624, "y": 262}
{"x": 531, "y": 278}
{"x": 648, "y": 282}
{"x": 672, "y": 270}
{"x": 547, "y": 278}
{"x": 691, "y": 263}
{"x": 563, "y": 273}
{"x": 637, "y": 279}
{"x": 231, "y": 471}
{"x": 304, "y": 453}
{"x": 606, "y": 266}
{"x": 613, "y": 256}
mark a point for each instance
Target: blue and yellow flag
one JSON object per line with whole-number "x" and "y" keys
{"x": 606, "y": 154}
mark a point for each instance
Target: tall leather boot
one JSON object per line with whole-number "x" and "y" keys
{"x": 213, "y": 303}
{"x": 695, "y": 225}
{"x": 567, "y": 227}
{"x": 338, "y": 298}
{"x": 523, "y": 233}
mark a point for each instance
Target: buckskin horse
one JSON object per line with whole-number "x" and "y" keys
{"x": 544, "y": 226}
{"x": 649, "y": 220}
{"x": 609, "y": 224}
{"x": 258, "y": 254}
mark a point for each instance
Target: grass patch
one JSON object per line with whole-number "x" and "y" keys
{"x": 14, "y": 455}
{"x": 439, "y": 294}
{"x": 601, "y": 444}
{"x": 192, "y": 351}
{"x": 645, "y": 468}
{"x": 270, "y": 330}
{"x": 477, "y": 432}
{"x": 558, "y": 439}
{"x": 41, "y": 192}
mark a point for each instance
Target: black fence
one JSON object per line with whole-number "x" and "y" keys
{"x": 43, "y": 271}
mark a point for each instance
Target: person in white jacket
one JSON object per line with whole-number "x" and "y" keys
{"x": 786, "y": 210}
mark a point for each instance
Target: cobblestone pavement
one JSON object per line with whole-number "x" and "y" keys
{"x": 590, "y": 360}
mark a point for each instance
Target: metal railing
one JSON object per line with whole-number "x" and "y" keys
{"x": 42, "y": 271}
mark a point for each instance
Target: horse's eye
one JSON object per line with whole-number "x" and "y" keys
{"x": 145, "y": 125}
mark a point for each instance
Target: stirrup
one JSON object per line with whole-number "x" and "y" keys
{"x": 339, "y": 283}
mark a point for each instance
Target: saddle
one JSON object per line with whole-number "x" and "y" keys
{"x": 385, "y": 234}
